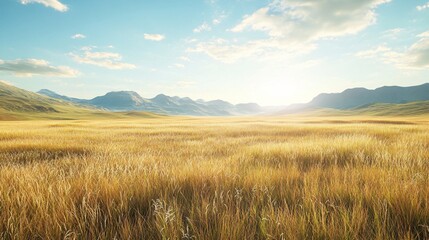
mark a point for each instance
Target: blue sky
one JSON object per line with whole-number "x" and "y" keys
{"x": 270, "y": 52}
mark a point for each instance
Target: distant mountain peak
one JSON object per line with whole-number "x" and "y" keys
{"x": 132, "y": 101}
{"x": 358, "y": 89}
{"x": 118, "y": 100}
{"x": 162, "y": 99}
{"x": 122, "y": 93}
{"x": 52, "y": 94}
{"x": 41, "y": 91}
{"x": 355, "y": 97}
{"x": 161, "y": 96}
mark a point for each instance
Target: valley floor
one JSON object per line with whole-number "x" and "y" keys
{"x": 215, "y": 178}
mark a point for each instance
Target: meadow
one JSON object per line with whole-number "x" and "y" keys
{"x": 215, "y": 178}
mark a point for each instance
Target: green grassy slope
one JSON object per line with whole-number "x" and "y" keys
{"x": 19, "y": 104}
{"x": 406, "y": 109}
{"x": 412, "y": 109}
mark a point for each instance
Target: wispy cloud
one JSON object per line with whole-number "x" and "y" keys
{"x": 203, "y": 28}
{"x": 415, "y": 56}
{"x": 309, "y": 20}
{"x": 207, "y": 26}
{"x": 424, "y": 35}
{"x": 219, "y": 18}
{"x": 30, "y": 67}
{"x": 55, "y": 4}
{"x": 229, "y": 51}
{"x": 423, "y": 7}
{"x": 179, "y": 65}
{"x": 216, "y": 21}
{"x": 108, "y": 60}
{"x": 185, "y": 84}
{"x": 393, "y": 33}
{"x": 294, "y": 26}
{"x": 185, "y": 59}
{"x": 78, "y": 36}
{"x": 154, "y": 37}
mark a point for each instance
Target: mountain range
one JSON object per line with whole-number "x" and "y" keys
{"x": 16, "y": 103}
{"x": 19, "y": 104}
{"x": 163, "y": 104}
{"x": 358, "y": 97}
{"x": 348, "y": 99}
{"x": 362, "y": 98}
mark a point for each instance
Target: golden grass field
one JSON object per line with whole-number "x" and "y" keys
{"x": 215, "y": 178}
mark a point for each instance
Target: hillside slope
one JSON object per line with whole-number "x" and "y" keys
{"x": 19, "y": 104}
{"x": 18, "y": 100}
{"x": 389, "y": 109}
{"x": 413, "y": 109}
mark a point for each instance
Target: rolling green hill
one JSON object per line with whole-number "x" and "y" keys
{"x": 412, "y": 109}
{"x": 19, "y": 104}
{"x": 417, "y": 109}
{"x": 389, "y": 109}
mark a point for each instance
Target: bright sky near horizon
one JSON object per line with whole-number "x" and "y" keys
{"x": 273, "y": 52}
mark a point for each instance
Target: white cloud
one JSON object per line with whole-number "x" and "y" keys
{"x": 424, "y": 35}
{"x": 179, "y": 65}
{"x": 185, "y": 84}
{"x": 393, "y": 33}
{"x": 309, "y": 20}
{"x": 229, "y": 51}
{"x": 294, "y": 27}
{"x": 30, "y": 67}
{"x": 55, "y": 4}
{"x": 87, "y": 48}
{"x": 423, "y": 7}
{"x": 373, "y": 52}
{"x": 78, "y": 36}
{"x": 185, "y": 59}
{"x": 414, "y": 57}
{"x": 154, "y": 37}
{"x": 207, "y": 26}
{"x": 192, "y": 40}
{"x": 203, "y": 28}
{"x": 108, "y": 60}
{"x": 216, "y": 21}
{"x": 219, "y": 18}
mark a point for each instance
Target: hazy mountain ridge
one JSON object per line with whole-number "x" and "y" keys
{"x": 357, "y": 97}
{"x": 17, "y": 103}
{"x": 132, "y": 101}
{"x": 52, "y": 94}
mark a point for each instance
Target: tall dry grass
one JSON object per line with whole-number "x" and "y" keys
{"x": 214, "y": 179}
